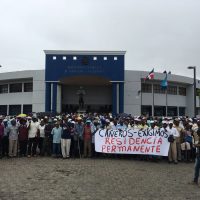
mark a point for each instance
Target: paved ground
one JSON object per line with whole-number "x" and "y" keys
{"x": 95, "y": 179}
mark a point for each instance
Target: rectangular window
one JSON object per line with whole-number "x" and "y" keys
{"x": 157, "y": 89}
{"x": 27, "y": 109}
{"x": 4, "y": 88}
{"x": 146, "y": 88}
{"x": 172, "y": 90}
{"x": 181, "y": 111}
{"x": 159, "y": 111}
{"x": 14, "y": 109}
{"x": 15, "y": 87}
{"x": 171, "y": 111}
{"x": 147, "y": 111}
{"x": 3, "y": 109}
{"x": 182, "y": 91}
{"x": 28, "y": 87}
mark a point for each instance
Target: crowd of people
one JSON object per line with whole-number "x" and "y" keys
{"x": 72, "y": 135}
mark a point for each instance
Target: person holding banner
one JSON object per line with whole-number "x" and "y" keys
{"x": 173, "y": 133}
{"x": 178, "y": 139}
{"x": 153, "y": 129}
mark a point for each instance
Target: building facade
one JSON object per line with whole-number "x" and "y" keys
{"x": 94, "y": 81}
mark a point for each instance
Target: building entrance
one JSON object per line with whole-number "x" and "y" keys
{"x": 86, "y": 94}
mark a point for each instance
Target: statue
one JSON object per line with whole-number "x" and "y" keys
{"x": 81, "y": 93}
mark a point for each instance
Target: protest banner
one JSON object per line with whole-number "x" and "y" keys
{"x": 132, "y": 141}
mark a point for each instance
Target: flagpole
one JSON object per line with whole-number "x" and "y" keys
{"x": 166, "y": 102}
{"x": 153, "y": 100}
{"x": 141, "y": 95}
{"x": 166, "y": 98}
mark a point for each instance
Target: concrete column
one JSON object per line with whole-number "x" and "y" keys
{"x": 121, "y": 97}
{"x": 114, "y": 98}
{"x": 59, "y": 103}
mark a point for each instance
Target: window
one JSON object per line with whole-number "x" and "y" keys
{"x": 27, "y": 109}
{"x": 147, "y": 111}
{"x": 157, "y": 89}
{"x": 64, "y": 58}
{"x": 181, "y": 111}
{"x": 172, "y": 90}
{"x": 105, "y": 58}
{"x": 3, "y": 109}
{"x": 146, "y": 88}
{"x": 14, "y": 109}
{"x": 159, "y": 110}
{"x": 197, "y": 92}
{"x": 171, "y": 111}
{"x": 4, "y": 88}
{"x": 28, "y": 87}
{"x": 115, "y": 58}
{"x": 54, "y": 57}
{"x": 74, "y": 58}
{"x": 182, "y": 91}
{"x": 15, "y": 87}
{"x": 95, "y": 58}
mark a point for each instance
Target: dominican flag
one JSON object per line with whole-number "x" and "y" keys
{"x": 150, "y": 75}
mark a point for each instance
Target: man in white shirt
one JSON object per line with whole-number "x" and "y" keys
{"x": 172, "y": 156}
{"x": 32, "y": 137}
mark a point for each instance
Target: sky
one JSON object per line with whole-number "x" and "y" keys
{"x": 159, "y": 34}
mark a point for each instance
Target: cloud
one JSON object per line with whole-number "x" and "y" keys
{"x": 155, "y": 33}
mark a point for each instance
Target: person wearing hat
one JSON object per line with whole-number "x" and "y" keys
{"x": 172, "y": 133}
{"x": 66, "y": 140}
{"x": 78, "y": 136}
{"x": 56, "y": 133}
{"x": 87, "y": 137}
{"x": 178, "y": 138}
{"x": 13, "y": 138}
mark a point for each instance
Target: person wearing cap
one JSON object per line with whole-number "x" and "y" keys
{"x": 172, "y": 132}
{"x": 33, "y": 131}
{"x": 178, "y": 138}
{"x": 87, "y": 137}
{"x": 13, "y": 138}
{"x": 56, "y": 133}
{"x": 153, "y": 128}
{"x": 78, "y": 136}
{"x": 66, "y": 140}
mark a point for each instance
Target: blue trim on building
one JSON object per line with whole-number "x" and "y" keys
{"x": 48, "y": 97}
{"x": 54, "y": 105}
{"x": 110, "y": 67}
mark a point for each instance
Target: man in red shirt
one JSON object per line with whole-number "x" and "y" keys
{"x": 23, "y": 137}
{"x": 87, "y": 137}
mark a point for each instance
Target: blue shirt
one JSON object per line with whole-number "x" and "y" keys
{"x": 56, "y": 132}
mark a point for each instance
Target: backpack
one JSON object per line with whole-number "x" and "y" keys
{"x": 171, "y": 139}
